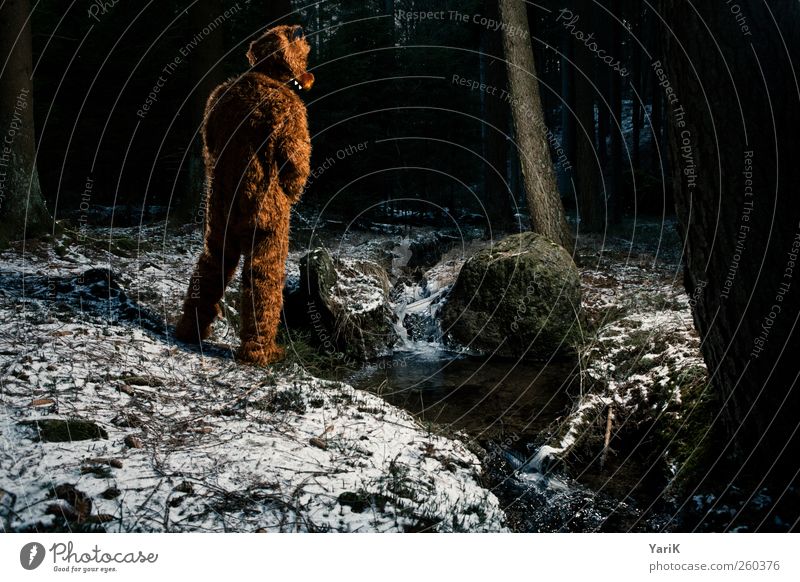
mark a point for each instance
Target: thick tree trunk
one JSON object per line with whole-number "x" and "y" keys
{"x": 544, "y": 203}
{"x": 591, "y": 201}
{"x": 22, "y": 210}
{"x": 734, "y": 149}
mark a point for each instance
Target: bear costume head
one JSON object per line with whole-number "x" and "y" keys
{"x": 282, "y": 54}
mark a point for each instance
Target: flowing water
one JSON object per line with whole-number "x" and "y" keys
{"x": 510, "y": 409}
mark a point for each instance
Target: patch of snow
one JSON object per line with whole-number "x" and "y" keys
{"x": 225, "y": 447}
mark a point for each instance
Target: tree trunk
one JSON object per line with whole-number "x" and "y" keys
{"x": 657, "y": 154}
{"x": 636, "y": 83}
{"x": 22, "y": 210}
{"x": 205, "y": 70}
{"x": 615, "y": 96}
{"x": 498, "y": 200}
{"x": 729, "y": 126}
{"x": 544, "y": 203}
{"x": 566, "y": 178}
{"x": 591, "y": 201}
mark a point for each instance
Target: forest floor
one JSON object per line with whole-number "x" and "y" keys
{"x": 108, "y": 424}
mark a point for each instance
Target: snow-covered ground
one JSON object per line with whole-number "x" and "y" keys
{"x": 195, "y": 442}
{"x": 641, "y": 350}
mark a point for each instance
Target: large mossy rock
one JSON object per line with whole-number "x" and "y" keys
{"x": 519, "y": 298}
{"x": 344, "y": 304}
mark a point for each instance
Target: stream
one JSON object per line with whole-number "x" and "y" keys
{"x": 510, "y": 409}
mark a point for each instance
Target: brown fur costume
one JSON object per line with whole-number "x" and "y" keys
{"x": 257, "y": 150}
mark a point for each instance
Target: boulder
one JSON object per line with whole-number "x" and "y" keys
{"x": 518, "y": 298}
{"x": 344, "y": 304}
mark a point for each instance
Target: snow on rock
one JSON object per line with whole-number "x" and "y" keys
{"x": 642, "y": 352}
{"x": 195, "y": 441}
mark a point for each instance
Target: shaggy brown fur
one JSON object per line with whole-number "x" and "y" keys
{"x": 257, "y": 151}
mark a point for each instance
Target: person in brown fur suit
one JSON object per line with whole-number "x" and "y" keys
{"x": 257, "y": 152}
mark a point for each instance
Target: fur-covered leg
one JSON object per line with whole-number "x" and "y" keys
{"x": 262, "y": 294}
{"x": 212, "y": 274}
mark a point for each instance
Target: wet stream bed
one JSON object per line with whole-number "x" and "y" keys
{"x": 510, "y": 409}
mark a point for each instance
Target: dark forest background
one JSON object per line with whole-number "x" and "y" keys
{"x": 381, "y": 79}
{"x": 388, "y": 82}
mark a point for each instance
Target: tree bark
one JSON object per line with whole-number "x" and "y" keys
{"x": 742, "y": 238}
{"x": 544, "y": 203}
{"x": 22, "y": 210}
{"x": 567, "y": 177}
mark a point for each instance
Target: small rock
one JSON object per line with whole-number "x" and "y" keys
{"x": 111, "y": 493}
{"x": 74, "y": 504}
{"x": 116, "y": 463}
{"x": 319, "y": 443}
{"x": 133, "y": 442}
{"x": 185, "y": 487}
{"x": 200, "y": 429}
{"x": 127, "y": 420}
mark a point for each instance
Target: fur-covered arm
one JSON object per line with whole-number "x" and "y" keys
{"x": 293, "y": 152}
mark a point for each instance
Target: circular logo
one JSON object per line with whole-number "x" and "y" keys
{"x": 31, "y": 555}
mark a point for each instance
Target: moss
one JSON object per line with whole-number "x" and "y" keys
{"x": 696, "y": 439}
{"x": 520, "y": 297}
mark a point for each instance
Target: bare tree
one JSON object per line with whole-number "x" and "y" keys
{"x": 541, "y": 191}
